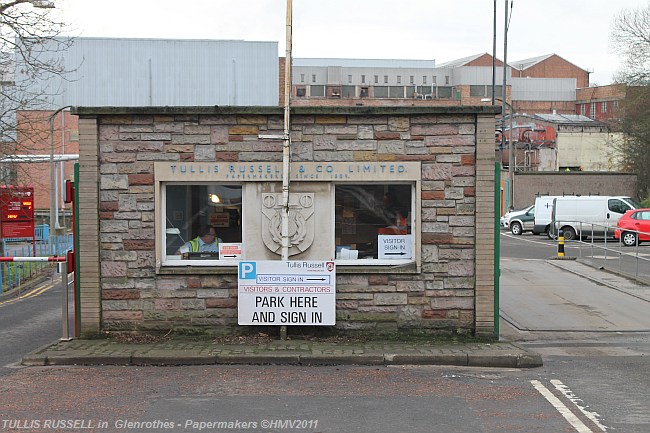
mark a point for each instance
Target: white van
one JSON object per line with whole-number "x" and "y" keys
{"x": 587, "y": 216}
{"x": 543, "y": 213}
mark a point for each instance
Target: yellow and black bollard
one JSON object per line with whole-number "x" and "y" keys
{"x": 560, "y": 243}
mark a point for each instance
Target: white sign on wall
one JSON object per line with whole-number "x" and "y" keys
{"x": 274, "y": 292}
{"x": 395, "y": 246}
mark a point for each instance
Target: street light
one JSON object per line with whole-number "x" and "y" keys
{"x": 54, "y": 212}
{"x": 511, "y": 148}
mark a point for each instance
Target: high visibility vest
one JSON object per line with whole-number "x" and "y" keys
{"x": 195, "y": 244}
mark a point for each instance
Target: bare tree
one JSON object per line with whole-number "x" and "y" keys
{"x": 630, "y": 38}
{"x": 28, "y": 39}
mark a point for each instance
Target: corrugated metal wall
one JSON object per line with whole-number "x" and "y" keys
{"x": 159, "y": 72}
{"x": 337, "y": 75}
{"x": 543, "y": 89}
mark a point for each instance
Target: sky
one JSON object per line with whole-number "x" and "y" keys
{"x": 440, "y": 30}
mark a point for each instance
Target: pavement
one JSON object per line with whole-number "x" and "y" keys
{"x": 190, "y": 351}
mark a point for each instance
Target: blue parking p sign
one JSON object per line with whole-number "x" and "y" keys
{"x": 247, "y": 271}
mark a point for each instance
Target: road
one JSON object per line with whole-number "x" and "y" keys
{"x": 29, "y": 321}
{"x": 594, "y": 377}
{"x": 631, "y": 261}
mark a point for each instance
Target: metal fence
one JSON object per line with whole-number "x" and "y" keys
{"x": 14, "y": 274}
{"x": 611, "y": 253}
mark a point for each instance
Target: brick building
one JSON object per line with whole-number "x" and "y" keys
{"x": 148, "y": 172}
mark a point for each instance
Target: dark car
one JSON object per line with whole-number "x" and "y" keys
{"x": 633, "y": 227}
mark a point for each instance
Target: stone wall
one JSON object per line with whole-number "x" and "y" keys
{"x": 451, "y": 292}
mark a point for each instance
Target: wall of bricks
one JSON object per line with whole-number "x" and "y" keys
{"x": 556, "y": 67}
{"x": 456, "y": 148}
{"x": 33, "y": 138}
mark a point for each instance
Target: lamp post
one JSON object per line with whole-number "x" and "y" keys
{"x": 511, "y": 148}
{"x": 511, "y": 151}
{"x": 54, "y": 212}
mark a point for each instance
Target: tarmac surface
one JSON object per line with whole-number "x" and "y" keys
{"x": 178, "y": 351}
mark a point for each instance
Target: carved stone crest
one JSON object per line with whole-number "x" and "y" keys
{"x": 301, "y": 222}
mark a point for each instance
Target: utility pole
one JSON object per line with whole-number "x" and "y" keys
{"x": 286, "y": 148}
{"x": 54, "y": 212}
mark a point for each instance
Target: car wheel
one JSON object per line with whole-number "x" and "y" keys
{"x": 569, "y": 233}
{"x": 629, "y": 239}
{"x": 515, "y": 228}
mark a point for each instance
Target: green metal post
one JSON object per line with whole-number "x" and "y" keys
{"x": 497, "y": 244}
{"x": 75, "y": 236}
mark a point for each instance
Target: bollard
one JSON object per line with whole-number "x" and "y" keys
{"x": 560, "y": 243}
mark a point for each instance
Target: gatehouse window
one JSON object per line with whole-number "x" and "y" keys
{"x": 374, "y": 223}
{"x": 192, "y": 211}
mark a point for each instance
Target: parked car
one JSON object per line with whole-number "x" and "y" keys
{"x": 633, "y": 227}
{"x": 505, "y": 219}
{"x": 522, "y": 221}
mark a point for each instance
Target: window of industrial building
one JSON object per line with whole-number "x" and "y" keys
{"x": 583, "y": 109}
{"x": 592, "y": 110}
{"x": 424, "y": 90}
{"x": 363, "y": 92}
{"x": 363, "y": 79}
{"x": 333, "y": 91}
{"x": 376, "y": 79}
{"x": 433, "y": 79}
{"x": 373, "y": 223}
{"x": 349, "y": 79}
{"x": 411, "y": 92}
{"x": 302, "y": 78}
{"x": 477, "y": 91}
{"x": 301, "y": 92}
{"x": 381, "y": 91}
{"x": 317, "y": 91}
{"x": 190, "y": 211}
{"x": 603, "y": 107}
{"x": 313, "y": 78}
{"x": 399, "y": 79}
{"x": 412, "y": 79}
{"x": 497, "y": 91}
{"x": 385, "y": 79}
{"x": 348, "y": 91}
{"x": 395, "y": 92}
{"x": 424, "y": 79}
{"x": 444, "y": 92}
{"x": 446, "y": 79}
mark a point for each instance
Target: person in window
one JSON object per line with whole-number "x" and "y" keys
{"x": 206, "y": 242}
{"x": 396, "y": 213}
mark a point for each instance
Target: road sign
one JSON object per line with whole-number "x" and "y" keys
{"x": 275, "y": 292}
{"x": 229, "y": 251}
{"x": 395, "y": 246}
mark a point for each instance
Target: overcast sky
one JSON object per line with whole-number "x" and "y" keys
{"x": 440, "y": 30}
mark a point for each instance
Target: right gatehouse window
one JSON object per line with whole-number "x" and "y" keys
{"x": 374, "y": 223}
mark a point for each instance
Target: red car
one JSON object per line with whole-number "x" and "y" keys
{"x": 633, "y": 227}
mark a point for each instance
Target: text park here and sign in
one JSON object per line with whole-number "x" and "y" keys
{"x": 276, "y": 292}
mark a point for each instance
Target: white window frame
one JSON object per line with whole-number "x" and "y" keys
{"x": 414, "y": 222}
{"x": 172, "y": 260}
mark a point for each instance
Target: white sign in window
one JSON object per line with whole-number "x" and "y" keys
{"x": 275, "y": 292}
{"x": 395, "y": 246}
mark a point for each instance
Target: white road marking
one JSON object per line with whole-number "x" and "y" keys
{"x": 593, "y": 416}
{"x": 560, "y": 407}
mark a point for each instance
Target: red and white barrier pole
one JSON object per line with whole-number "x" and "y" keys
{"x": 65, "y": 330}
{"x": 34, "y": 259}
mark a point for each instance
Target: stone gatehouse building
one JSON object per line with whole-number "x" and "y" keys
{"x": 151, "y": 178}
